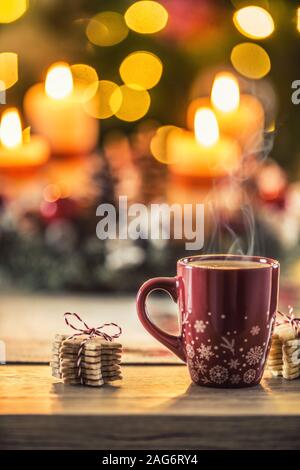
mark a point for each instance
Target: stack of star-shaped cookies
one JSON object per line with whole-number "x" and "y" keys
{"x": 93, "y": 363}
{"x": 284, "y": 356}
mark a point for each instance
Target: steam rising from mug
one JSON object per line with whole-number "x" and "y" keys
{"x": 230, "y": 233}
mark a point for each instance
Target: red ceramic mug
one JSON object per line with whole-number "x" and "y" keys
{"x": 227, "y": 309}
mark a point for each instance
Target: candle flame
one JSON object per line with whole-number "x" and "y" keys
{"x": 11, "y": 129}
{"x": 59, "y": 81}
{"x": 225, "y": 94}
{"x": 206, "y": 127}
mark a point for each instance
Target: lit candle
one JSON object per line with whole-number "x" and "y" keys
{"x": 239, "y": 116}
{"x": 203, "y": 153}
{"x": 53, "y": 113}
{"x": 242, "y": 116}
{"x": 14, "y": 153}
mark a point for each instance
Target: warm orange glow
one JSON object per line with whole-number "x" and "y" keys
{"x": 298, "y": 19}
{"x": 59, "y": 81}
{"x": 254, "y": 22}
{"x": 206, "y": 127}
{"x": 11, "y": 129}
{"x": 52, "y": 193}
{"x": 225, "y": 94}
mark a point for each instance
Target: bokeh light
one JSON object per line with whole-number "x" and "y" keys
{"x": 298, "y": 19}
{"x": 254, "y": 22}
{"x": 146, "y": 17}
{"x": 135, "y": 104}
{"x": 107, "y": 29}
{"x": 159, "y": 145}
{"x": 11, "y": 129}
{"x": 203, "y": 102}
{"x": 105, "y": 102}
{"x": 11, "y": 10}
{"x": 52, "y": 193}
{"x": 206, "y": 127}
{"x": 141, "y": 70}
{"x": 85, "y": 82}
{"x": 59, "y": 81}
{"x": 8, "y": 69}
{"x": 250, "y": 60}
{"x": 26, "y": 135}
{"x": 225, "y": 94}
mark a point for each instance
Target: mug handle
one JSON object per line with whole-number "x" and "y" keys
{"x": 169, "y": 285}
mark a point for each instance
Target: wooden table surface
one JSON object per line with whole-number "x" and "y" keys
{"x": 154, "y": 407}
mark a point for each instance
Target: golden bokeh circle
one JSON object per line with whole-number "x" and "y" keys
{"x": 250, "y": 60}
{"x": 85, "y": 82}
{"x": 8, "y": 70}
{"x": 12, "y": 10}
{"x": 254, "y": 22}
{"x": 107, "y": 29}
{"x": 159, "y": 145}
{"x": 141, "y": 69}
{"x": 146, "y": 17}
{"x": 105, "y": 102}
{"x": 135, "y": 104}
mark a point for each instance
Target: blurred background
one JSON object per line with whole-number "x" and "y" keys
{"x": 170, "y": 101}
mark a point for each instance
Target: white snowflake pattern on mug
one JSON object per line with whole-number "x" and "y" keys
{"x": 235, "y": 379}
{"x": 200, "y": 366}
{"x": 255, "y": 330}
{"x": 190, "y": 351}
{"x": 194, "y": 375}
{"x": 199, "y": 326}
{"x": 249, "y": 376}
{"x": 254, "y": 355}
{"x": 228, "y": 344}
{"x": 205, "y": 352}
{"x": 233, "y": 364}
{"x": 205, "y": 380}
{"x": 218, "y": 374}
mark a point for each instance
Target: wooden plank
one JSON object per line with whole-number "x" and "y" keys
{"x": 155, "y": 432}
{"x": 154, "y": 407}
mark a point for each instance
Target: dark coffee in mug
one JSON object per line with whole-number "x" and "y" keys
{"x": 227, "y": 306}
{"x": 228, "y": 264}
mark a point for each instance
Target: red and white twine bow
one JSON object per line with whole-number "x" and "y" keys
{"x": 92, "y": 333}
{"x": 289, "y": 319}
